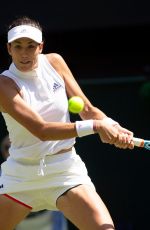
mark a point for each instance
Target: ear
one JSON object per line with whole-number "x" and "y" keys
{"x": 41, "y": 47}
{"x": 9, "y": 48}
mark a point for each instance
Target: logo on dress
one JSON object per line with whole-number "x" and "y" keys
{"x": 56, "y": 86}
{"x": 1, "y": 186}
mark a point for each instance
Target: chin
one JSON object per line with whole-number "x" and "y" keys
{"x": 26, "y": 68}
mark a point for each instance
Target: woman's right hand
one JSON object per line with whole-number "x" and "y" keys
{"x": 107, "y": 132}
{"x": 113, "y": 134}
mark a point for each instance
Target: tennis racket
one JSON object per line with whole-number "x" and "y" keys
{"x": 141, "y": 143}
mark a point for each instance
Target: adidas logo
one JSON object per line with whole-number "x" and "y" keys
{"x": 1, "y": 186}
{"x": 56, "y": 86}
{"x": 23, "y": 31}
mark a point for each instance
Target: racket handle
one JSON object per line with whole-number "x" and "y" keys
{"x": 138, "y": 142}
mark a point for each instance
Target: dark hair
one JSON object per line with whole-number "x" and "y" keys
{"x": 24, "y": 20}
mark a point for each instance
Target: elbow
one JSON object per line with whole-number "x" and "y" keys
{"x": 47, "y": 132}
{"x": 41, "y": 133}
{"x": 43, "y": 136}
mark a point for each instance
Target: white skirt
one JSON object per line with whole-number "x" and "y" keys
{"x": 21, "y": 181}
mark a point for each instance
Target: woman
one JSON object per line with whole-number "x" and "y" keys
{"x": 43, "y": 170}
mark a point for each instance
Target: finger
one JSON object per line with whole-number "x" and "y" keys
{"x": 123, "y": 141}
{"x": 131, "y": 145}
{"x": 127, "y": 132}
{"x": 114, "y": 139}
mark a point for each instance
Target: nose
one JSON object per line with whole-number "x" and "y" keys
{"x": 24, "y": 53}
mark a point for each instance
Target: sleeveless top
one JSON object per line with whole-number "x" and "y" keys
{"x": 44, "y": 91}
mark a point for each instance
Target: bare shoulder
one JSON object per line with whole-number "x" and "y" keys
{"x": 54, "y": 58}
{"x": 8, "y": 90}
{"x": 6, "y": 84}
{"x": 59, "y": 64}
{"x": 57, "y": 61}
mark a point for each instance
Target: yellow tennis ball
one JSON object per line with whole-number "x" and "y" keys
{"x": 75, "y": 104}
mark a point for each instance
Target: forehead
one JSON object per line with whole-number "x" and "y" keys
{"x": 24, "y": 41}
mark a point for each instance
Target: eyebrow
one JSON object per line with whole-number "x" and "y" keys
{"x": 18, "y": 42}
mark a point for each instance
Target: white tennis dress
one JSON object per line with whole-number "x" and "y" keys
{"x": 33, "y": 164}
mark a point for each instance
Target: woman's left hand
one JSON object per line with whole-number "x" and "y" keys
{"x": 125, "y": 139}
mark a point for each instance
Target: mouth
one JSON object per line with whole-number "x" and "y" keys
{"x": 25, "y": 62}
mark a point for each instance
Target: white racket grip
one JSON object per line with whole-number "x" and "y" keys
{"x": 138, "y": 142}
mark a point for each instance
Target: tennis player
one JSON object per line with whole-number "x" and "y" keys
{"x": 43, "y": 170}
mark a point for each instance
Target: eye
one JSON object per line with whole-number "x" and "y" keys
{"x": 17, "y": 46}
{"x": 31, "y": 46}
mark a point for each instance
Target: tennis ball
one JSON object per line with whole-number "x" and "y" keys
{"x": 75, "y": 104}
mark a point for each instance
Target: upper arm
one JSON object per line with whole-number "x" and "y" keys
{"x": 13, "y": 104}
{"x": 73, "y": 88}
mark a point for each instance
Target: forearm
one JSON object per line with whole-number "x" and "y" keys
{"x": 57, "y": 131}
